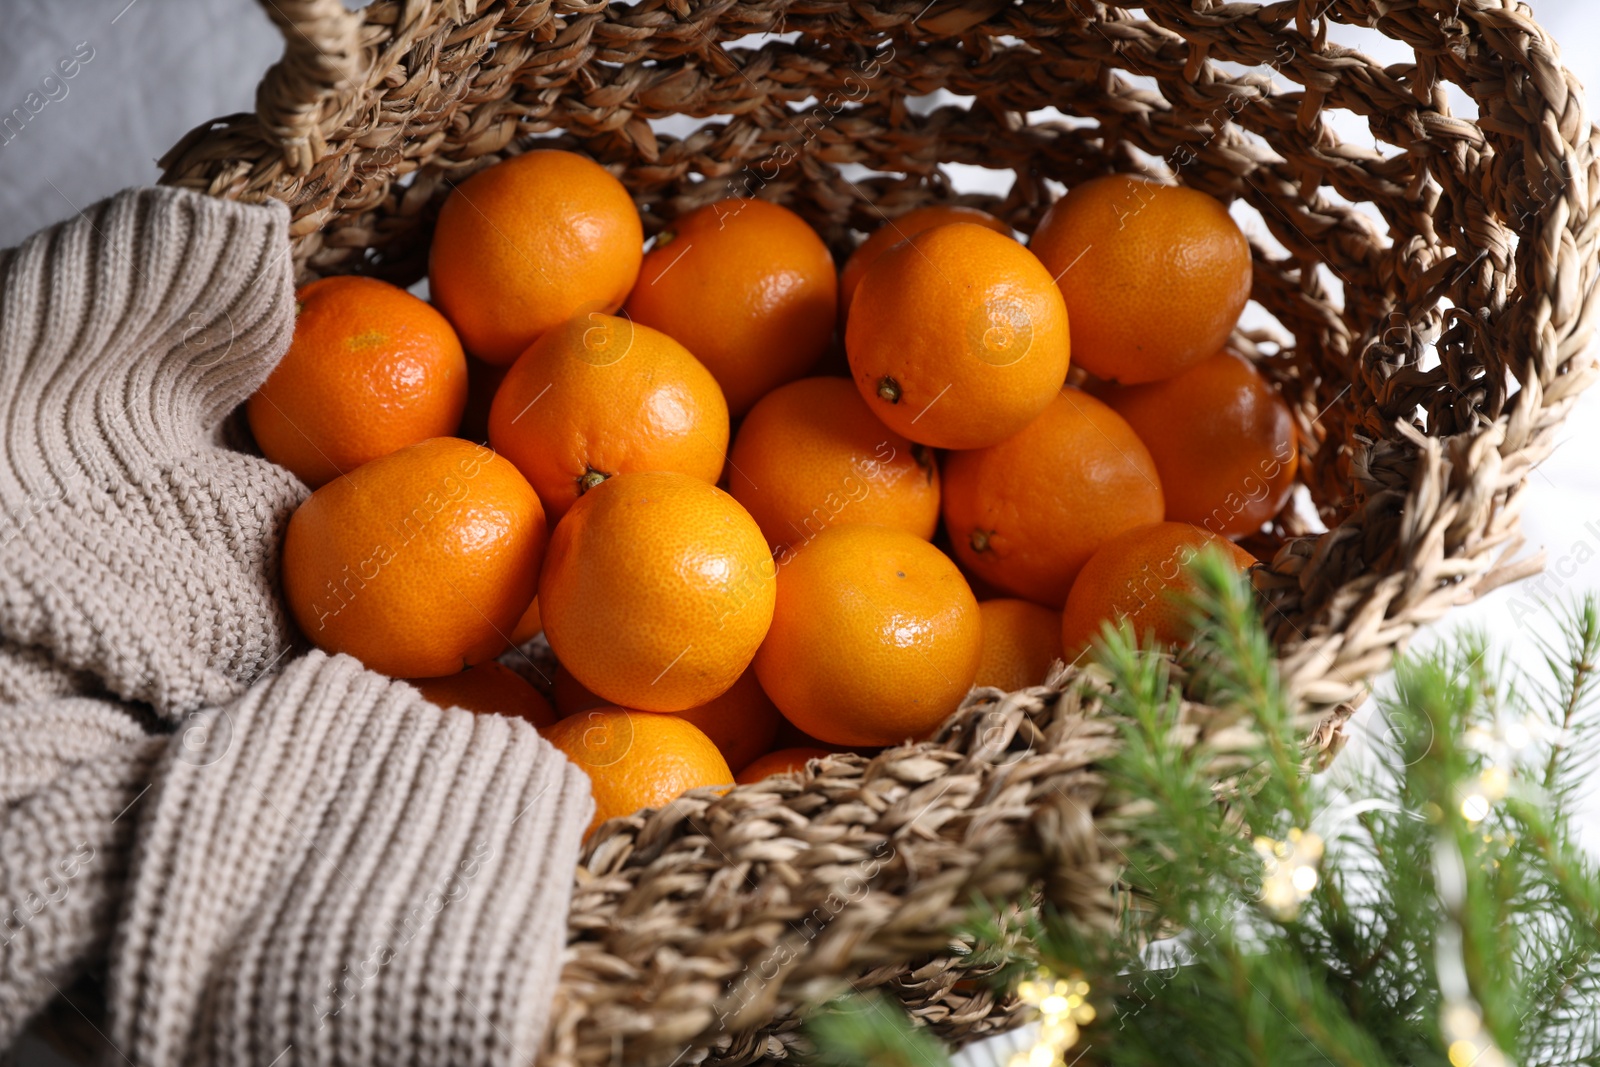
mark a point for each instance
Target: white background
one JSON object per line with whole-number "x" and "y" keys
{"x": 160, "y": 67}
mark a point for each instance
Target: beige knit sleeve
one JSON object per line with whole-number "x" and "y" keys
{"x": 330, "y": 865}
{"x": 282, "y": 859}
{"x": 131, "y": 545}
{"x": 71, "y": 772}
{"x": 343, "y": 870}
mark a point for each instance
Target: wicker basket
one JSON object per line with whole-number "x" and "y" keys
{"x": 1425, "y": 391}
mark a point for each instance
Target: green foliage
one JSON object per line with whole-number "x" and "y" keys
{"x": 1452, "y": 904}
{"x": 865, "y": 1029}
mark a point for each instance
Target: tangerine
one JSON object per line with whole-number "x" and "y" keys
{"x": 528, "y": 243}
{"x": 748, "y": 287}
{"x": 656, "y": 591}
{"x": 875, "y": 637}
{"x": 637, "y": 759}
{"x": 1222, "y": 439}
{"x": 958, "y": 337}
{"x": 1155, "y": 276}
{"x": 895, "y": 230}
{"x": 418, "y": 563}
{"x": 1021, "y": 640}
{"x": 783, "y": 761}
{"x": 599, "y": 395}
{"x": 1025, "y": 514}
{"x": 811, "y": 454}
{"x": 742, "y": 722}
{"x": 1135, "y": 576}
{"x": 370, "y": 369}
{"x": 528, "y": 626}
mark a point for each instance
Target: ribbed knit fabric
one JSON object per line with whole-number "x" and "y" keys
{"x": 281, "y": 853}
{"x": 348, "y": 871}
{"x": 71, "y": 774}
{"x": 133, "y": 546}
{"x": 28, "y": 673}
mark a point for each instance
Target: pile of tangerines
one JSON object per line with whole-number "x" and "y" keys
{"x": 904, "y": 440}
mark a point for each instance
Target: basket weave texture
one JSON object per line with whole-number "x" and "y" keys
{"x": 1435, "y": 293}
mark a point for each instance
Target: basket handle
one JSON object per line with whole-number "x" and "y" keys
{"x": 322, "y": 54}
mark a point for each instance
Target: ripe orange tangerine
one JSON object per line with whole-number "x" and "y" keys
{"x": 1024, "y": 515}
{"x": 1137, "y": 575}
{"x": 599, "y": 395}
{"x": 783, "y": 761}
{"x": 636, "y": 759}
{"x": 529, "y": 243}
{"x": 895, "y": 230}
{"x": 656, "y": 591}
{"x": 418, "y": 563}
{"x": 371, "y": 369}
{"x": 1154, "y": 276}
{"x": 811, "y": 455}
{"x": 1222, "y": 439}
{"x": 875, "y": 637}
{"x": 1021, "y": 640}
{"x": 742, "y": 723}
{"x": 958, "y": 337}
{"x": 748, "y": 287}
{"x": 528, "y": 626}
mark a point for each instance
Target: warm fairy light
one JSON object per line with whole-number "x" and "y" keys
{"x": 1514, "y": 738}
{"x": 1492, "y": 785}
{"x": 1460, "y": 1020}
{"x": 1291, "y": 871}
{"x": 1304, "y": 879}
{"x": 1063, "y": 1007}
{"x": 1468, "y": 1044}
{"x": 1517, "y": 735}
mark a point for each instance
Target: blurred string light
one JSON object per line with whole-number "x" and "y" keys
{"x": 1467, "y": 1043}
{"x": 1504, "y": 746}
{"x": 1063, "y": 1007}
{"x": 1291, "y": 871}
{"x": 1507, "y": 743}
{"x": 1513, "y": 738}
{"x": 1479, "y": 798}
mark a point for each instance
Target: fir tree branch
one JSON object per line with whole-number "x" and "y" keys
{"x": 1574, "y": 669}
{"x": 863, "y": 1029}
{"x": 1234, "y": 667}
{"x": 1391, "y": 944}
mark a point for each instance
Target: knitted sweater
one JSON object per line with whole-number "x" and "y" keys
{"x": 276, "y": 856}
